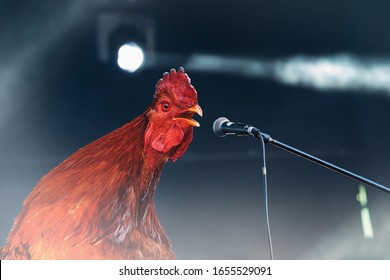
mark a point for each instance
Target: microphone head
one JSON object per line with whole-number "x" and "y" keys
{"x": 217, "y": 126}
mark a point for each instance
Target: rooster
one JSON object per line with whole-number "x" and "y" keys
{"x": 99, "y": 202}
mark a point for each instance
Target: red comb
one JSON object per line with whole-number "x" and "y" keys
{"x": 179, "y": 85}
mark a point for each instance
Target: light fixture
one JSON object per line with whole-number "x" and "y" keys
{"x": 130, "y": 57}
{"x": 126, "y": 39}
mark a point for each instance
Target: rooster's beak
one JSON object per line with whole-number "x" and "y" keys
{"x": 195, "y": 109}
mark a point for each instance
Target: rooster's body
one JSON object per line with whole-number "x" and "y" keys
{"x": 98, "y": 203}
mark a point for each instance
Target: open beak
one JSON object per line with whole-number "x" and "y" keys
{"x": 194, "y": 109}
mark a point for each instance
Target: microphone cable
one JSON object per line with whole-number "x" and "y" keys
{"x": 265, "y": 188}
{"x": 222, "y": 127}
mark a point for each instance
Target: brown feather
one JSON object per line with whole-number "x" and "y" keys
{"x": 105, "y": 184}
{"x": 98, "y": 203}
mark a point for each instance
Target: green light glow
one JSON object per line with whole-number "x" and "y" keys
{"x": 362, "y": 196}
{"x": 368, "y": 231}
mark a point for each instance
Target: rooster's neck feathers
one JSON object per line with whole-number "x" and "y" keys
{"x": 118, "y": 176}
{"x": 136, "y": 175}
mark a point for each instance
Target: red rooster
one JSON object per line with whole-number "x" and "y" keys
{"x": 98, "y": 203}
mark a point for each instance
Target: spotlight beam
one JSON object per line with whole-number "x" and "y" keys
{"x": 343, "y": 72}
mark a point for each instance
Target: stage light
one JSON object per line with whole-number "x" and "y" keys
{"x": 126, "y": 40}
{"x": 131, "y": 57}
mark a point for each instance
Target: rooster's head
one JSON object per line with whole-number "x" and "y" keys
{"x": 169, "y": 130}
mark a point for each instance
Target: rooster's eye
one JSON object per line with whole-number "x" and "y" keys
{"x": 165, "y": 107}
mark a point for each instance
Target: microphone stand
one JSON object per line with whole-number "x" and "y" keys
{"x": 267, "y": 139}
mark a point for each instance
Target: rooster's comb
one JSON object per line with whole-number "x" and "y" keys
{"x": 178, "y": 84}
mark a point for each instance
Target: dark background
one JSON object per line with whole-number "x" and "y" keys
{"x": 56, "y": 96}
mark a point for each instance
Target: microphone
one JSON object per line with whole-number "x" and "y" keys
{"x": 222, "y": 127}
